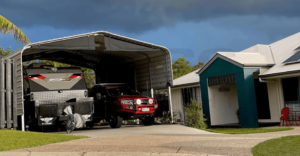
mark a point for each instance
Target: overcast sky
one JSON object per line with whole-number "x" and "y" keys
{"x": 194, "y": 29}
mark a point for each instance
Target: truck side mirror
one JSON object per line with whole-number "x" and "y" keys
{"x": 98, "y": 96}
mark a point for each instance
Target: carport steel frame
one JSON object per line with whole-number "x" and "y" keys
{"x": 88, "y": 50}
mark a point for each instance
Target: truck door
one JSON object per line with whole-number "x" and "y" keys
{"x": 100, "y": 96}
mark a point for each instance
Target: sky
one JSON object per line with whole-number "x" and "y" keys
{"x": 193, "y": 29}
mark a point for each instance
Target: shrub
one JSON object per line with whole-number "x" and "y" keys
{"x": 195, "y": 117}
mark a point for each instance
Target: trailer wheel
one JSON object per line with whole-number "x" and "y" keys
{"x": 148, "y": 121}
{"x": 90, "y": 125}
{"x": 70, "y": 126}
{"x": 115, "y": 121}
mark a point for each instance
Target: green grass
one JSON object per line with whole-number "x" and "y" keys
{"x": 11, "y": 139}
{"x": 246, "y": 130}
{"x": 289, "y": 145}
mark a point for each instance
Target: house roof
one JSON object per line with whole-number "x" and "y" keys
{"x": 248, "y": 58}
{"x": 243, "y": 59}
{"x": 282, "y": 50}
{"x": 190, "y": 78}
{"x": 271, "y": 56}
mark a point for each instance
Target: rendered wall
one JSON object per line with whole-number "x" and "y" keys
{"x": 274, "y": 102}
{"x": 177, "y": 100}
{"x": 177, "y": 103}
{"x": 225, "y": 106}
{"x": 245, "y": 91}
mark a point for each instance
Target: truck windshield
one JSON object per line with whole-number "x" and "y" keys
{"x": 120, "y": 90}
{"x": 62, "y": 79}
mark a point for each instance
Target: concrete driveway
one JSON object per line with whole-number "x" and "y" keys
{"x": 172, "y": 139}
{"x": 99, "y": 131}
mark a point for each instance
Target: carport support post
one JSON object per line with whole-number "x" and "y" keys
{"x": 2, "y": 94}
{"x": 23, "y": 121}
{"x": 152, "y": 93}
{"x": 8, "y": 93}
{"x": 170, "y": 103}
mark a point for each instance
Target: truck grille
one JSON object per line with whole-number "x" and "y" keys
{"x": 145, "y": 102}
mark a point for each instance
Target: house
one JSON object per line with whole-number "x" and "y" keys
{"x": 184, "y": 89}
{"x": 252, "y": 86}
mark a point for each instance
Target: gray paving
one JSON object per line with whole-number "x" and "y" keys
{"x": 157, "y": 140}
{"x": 99, "y": 131}
{"x": 97, "y": 154}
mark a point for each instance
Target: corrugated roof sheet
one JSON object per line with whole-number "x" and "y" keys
{"x": 189, "y": 78}
{"x": 248, "y": 58}
{"x": 282, "y": 50}
{"x": 272, "y": 55}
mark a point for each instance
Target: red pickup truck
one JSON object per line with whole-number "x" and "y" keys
{"x": 117, "y": 102}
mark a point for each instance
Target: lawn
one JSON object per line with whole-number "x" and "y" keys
{"x": 12, "y": 139}
{"x": 289, "y": 145}
{"x": 246, "y": 130}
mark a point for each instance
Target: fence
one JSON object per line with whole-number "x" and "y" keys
{"x": 11, "y": 96}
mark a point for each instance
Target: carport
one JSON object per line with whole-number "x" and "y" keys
{"x": 114, "y": 58}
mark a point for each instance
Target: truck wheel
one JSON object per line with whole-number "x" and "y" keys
{"x": 148, "y": 121}
{"x": 115, "y": 121}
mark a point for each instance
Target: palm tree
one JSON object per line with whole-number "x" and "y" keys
{"x": 7, "y": 27}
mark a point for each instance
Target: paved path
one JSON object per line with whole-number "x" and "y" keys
{"x": 152, "y": 142}
{"x": 137, "y": 129}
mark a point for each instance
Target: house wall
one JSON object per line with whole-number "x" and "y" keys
{"x": 274, "y": 102}
{"x": 177, "y": 104}
{"x": 280, "y": 90}
{"x": 177, "y": 99}
{"x": 245, "y": 91}
{"x": 223, "y": 105}
{"x": 199, "y": 97}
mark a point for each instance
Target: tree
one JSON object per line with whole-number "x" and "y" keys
{"x": 181, "y": 67}
{"x": 4, "y": 52}
{"x": 89, "y": 76}
{"x": 197, "y": 66}
{"x": 195, "y": 117}
{"x": 7, "y": 27}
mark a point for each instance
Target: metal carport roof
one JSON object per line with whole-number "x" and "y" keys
{"x": 114, "y": 58}
{"x": 100, "y": 50}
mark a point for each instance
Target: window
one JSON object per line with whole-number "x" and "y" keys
{"x": 290, "y": 89}
{"x": 190, "y": 93}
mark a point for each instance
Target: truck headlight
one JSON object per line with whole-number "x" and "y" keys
{"x": 127, "y": 102}
{"x": 150, "y": 101}
{"x": 138, "y": 101}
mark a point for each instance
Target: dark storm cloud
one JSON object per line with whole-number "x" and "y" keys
{"x": 135, "y": 15}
